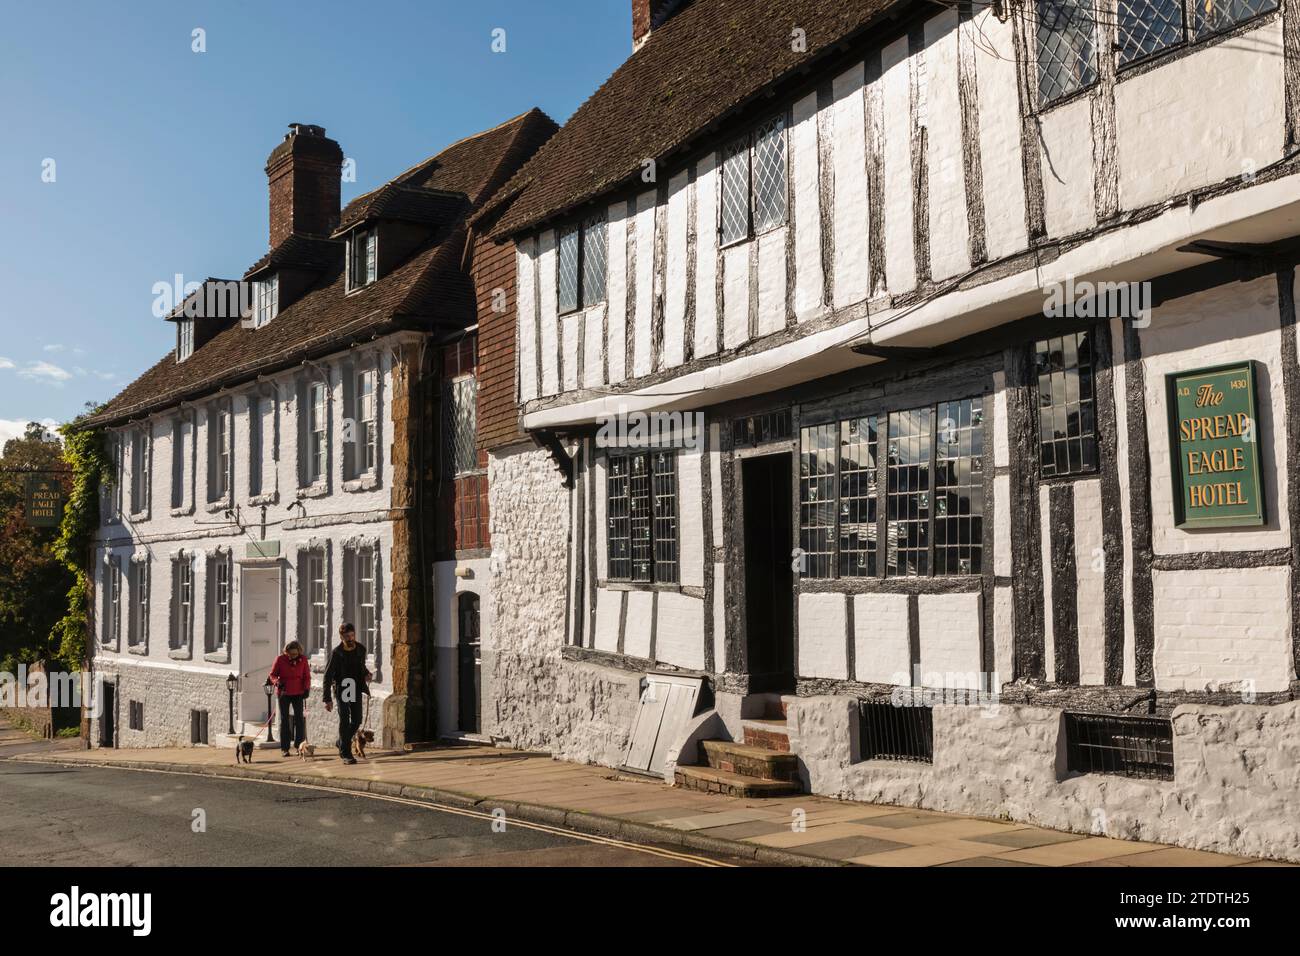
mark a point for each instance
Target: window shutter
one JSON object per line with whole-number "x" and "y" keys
{"x": 304, "y": 413}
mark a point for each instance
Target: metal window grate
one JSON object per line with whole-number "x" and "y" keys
{"x": 593, "y": 261}
{"x": 896, "y": 733}
{"x": 1215, "y": 16}
{"x": 859, "y": 478}
{"x": 735, "y": 191}
{"x": 1123, "y": 746}
{"x": 752, "y": 430}
{"x": 567, "y": 283}
{"x": 1067, "y": 52}
{"x": 908, "y": 493}
{"x": 461, "y": 426}
{"x": 1067, "y": 418}
{"x": 769, "y": 169}
{"x": 959, "y": 488}
{"x": 1148, "y": 26}
{"x": 817, "y": 445}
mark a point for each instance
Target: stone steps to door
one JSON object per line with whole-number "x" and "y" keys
{"x": 750, "y": 761}
{"x": 711, "y": 780}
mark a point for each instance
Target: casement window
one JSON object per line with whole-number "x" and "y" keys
{"x": 137, "y": 632}
{"x": 923, "y": 466}
{"x": 754, "y": 184}
{"x": 461, "y": 425}
{"x": 178, "y": 463}
{"x": 220, "y": 573}
{"x": 1067, "y": 412}
{"x": 112, "y": 630}
{"x": 141, "y": 480}
{"x": 184, "y": 339}
{"x": 361, "y": 590}
{"x": 220, "y": 459}
{"x": 367, "y": 421}
{"x": 266, "y": 300}
{"x": 362, "y": 258}
{"x": 581, "y": 265}
{"x": 182, "y": 622}
{"x": 1148, "y": 27}
{"x": 1066, "y": 47}
{"x": 315, "y": 600}
{"x": 641, "y": 503}
{"x": 317, "y": 432}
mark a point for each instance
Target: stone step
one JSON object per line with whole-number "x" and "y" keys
{"x": 709, "y": 780}
{"x": 750, "y": 761}
{"x": 767, "y": 734}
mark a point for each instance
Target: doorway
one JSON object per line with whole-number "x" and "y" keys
{"x": 259, "y": 638}
{"x": 108, "y": 714}
{"x": 769, "y": 580}
{"x": 469, "y": 648}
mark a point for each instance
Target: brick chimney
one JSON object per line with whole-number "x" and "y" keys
{"x": 303, "y": 176}
{"x": 650, "y": 14}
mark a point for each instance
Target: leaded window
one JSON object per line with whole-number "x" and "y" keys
{"x": 1215, "y": 16}
{"x": 859, "y": 497}
{"x": 462, "y": 425}
{"x": 1067, "y": 47}
{"x": 641, "y": 503}
{"x": 581, "y": 264}
{"x": 1146, "y": 27}
{"x": 754, "y": 182}
{"x": 817, "y": 499}
{"x": 907, "y": 530}
{"x": 1067, "y": 416}
{"x": 958, "y": 488}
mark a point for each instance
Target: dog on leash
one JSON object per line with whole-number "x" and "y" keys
{"x": 243, "y": 751}
{"x": 359, "y": 741}
{"x": 306, "y": 751}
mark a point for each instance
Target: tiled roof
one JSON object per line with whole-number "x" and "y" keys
{"x": 430, "y": 289}
{"x": 396, "y": 201}
{"x": 710, "y": 58}
{"x": 303, "y": 252}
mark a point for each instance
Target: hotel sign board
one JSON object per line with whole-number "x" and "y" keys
{"x": 1214, "y": 447}
{"x": 44, "y": 502}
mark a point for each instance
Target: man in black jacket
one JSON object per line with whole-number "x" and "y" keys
{"x": 346, "y": 676}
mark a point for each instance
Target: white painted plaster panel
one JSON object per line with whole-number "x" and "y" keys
{"x": 949, "y": 229}
{"x": 1004, "y": 635}
{"x": 807, "y": 209}
{"x": 848, "y": 121}
{"x": 679, "y": 633}
{"x": 1067, "y": 168}
{"x": 574, "y": 329}
{"x": 690, "y": 498}
{"x": 546, "y": 279}
{"x": 608, "y": 605}
{"x": 881, "y": 653}
{"x": 771, "y": 282}
{"x": 636, "y": 640}
{"x": 706, "y": 257}
{"x": 735, "y": 295}
{"x": 896, "y": 85}
{"x": 674, "y": 344}
{"x": 616, "y": 292}
{"x": 950, "y": 639}
{"x": 1002, "y": 525}
{"x": 999, "y": 118}
{"x": 822, "y": 648}
{"x": 1222, "y": 627}
{"x": 593, "y": 366}
{"x": 1090, "y": 566}
{"x": 527, "y": 319}
{"x": 1202, "y": 118}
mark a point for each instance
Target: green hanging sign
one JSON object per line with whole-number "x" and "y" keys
{"x": 1214, "y": 447}
{"x": 44, "y": 501}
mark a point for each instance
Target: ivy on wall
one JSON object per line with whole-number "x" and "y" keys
{"x": 86, "y": 451}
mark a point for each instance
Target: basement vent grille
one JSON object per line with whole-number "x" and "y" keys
{"x": 1121, "y": 746}
{"x": 896, "y": 733}
{"x": 135, "y": 715}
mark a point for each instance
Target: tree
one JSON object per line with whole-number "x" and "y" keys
{"x": 32, "y": 578}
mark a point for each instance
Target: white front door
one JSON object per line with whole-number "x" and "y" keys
{"x": 259, "y": 638}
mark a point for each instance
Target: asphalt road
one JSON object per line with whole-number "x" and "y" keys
{"x": 94, "y": 816}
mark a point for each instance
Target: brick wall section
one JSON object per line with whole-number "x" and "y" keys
{"x": 498, "y": 408}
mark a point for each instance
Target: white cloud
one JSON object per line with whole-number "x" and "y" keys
{"x": 5, "y": 363}
{"x": 55, "y": 347}
{"x": 14, "y": 428}
{"x": 45, "y": 372}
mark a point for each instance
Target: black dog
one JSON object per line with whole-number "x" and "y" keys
{"x": 243, "y": 751}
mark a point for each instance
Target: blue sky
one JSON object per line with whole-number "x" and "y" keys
{"x": 159, "y": 151}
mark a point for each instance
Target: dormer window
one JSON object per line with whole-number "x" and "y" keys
{"x": 266, "y": 300}
{"x": 363, "y": 265}
{"x": 184, "y": 339}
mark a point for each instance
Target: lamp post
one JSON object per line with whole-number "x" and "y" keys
{"x": 270, "y": 736}
{"x": 231, "y": 681}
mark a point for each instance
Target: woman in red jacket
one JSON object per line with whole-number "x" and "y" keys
{"x": 291, "y": 675}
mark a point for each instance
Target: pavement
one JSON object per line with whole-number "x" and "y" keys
{"x": 796, "y": 830}
{"x": 15, "y": 742}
